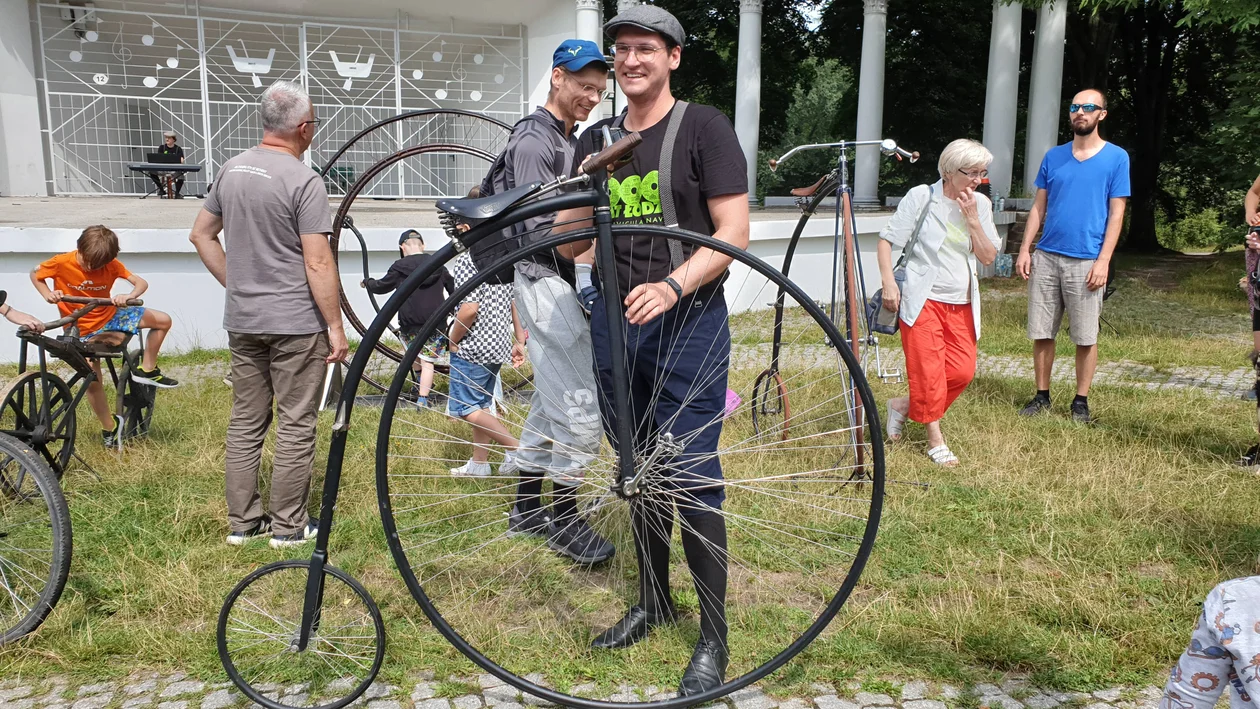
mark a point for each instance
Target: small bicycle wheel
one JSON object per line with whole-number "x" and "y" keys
{"x": 798, "y": 528}
{"x": 771, "y": 414}
{"x": 138, "y": 403}
{"x": 22, "y": 416}
{"x": 258, "y": 638}
{"x": 35, "y": 540}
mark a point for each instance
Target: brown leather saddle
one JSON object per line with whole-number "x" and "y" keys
{"x": 808, "y": 191}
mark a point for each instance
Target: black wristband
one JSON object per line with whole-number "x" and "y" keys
{"x": 677, "y": 288}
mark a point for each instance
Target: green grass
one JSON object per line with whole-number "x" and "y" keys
{"x": 1182, "y": 311}
{"x": 1076, "y": 554}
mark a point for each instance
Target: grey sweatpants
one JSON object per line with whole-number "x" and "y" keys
{"x": 563, "y": 431}
{"x": 287, "y": 370}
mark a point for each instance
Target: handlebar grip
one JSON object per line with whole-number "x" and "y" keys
{"x": 774, "y": 164}
{"x": 612, "y": 153}
{"x": 77, "y": 300}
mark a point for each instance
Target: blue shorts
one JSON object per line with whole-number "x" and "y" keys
{"x": 125, "y": 320}
{"x": 472, "y": 386}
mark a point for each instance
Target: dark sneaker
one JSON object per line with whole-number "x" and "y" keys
{"x": 1036, "y": 406}
{"x": 284, "y": 541}
{"x": 154, "y": 378}
{"x": 111, "y": 439}
{"x": 576, "y": 540}
{"x": 260, "y": 529}
{"x": 1080, "y": 412}
{"x": 528, "y": 524}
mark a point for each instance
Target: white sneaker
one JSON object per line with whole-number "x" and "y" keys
{"x": 472, "y": 469}
{"x": 509, "y": 466}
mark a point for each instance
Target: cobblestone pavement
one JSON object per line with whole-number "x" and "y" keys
{"x": 178, "y": 691}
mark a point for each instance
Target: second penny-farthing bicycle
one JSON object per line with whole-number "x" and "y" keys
{"x": 799, "y": 529}
{"x": 771, "y": 402}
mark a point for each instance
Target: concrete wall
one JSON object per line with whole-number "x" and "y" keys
{"x": 180, "y": 285}
{"x": 21, "y": 147}
{"x": 543, "y": 36}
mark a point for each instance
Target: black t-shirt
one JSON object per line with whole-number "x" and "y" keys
{"x": 175, "y": 150}
{"x": 708, "y": 162}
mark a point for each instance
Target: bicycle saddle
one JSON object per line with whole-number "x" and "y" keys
{"x": 809, "y": 191}
{"x": 482, "y": 208}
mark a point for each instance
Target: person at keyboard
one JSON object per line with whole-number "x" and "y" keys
{"x": 169, "y": 147}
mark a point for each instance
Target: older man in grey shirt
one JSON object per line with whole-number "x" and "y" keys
{"x": 282, "y": 313}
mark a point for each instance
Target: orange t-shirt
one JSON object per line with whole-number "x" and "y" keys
{"x": 71, "y": 279}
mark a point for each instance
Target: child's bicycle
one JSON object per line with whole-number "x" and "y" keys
{"x": 38, "y": 407}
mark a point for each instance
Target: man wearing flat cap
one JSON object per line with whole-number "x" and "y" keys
{"x": 168, "y": 147}
{"x": 689, "y": 172}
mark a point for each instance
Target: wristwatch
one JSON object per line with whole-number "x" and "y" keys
{"x": 677, "y": 288}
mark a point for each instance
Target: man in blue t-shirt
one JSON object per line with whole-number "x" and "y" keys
{"x": 1081, "y": 190}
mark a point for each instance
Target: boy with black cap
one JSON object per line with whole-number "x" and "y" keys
{"x": 562, "y": 433}
{"x": 419, "y": 307}
{"x": 689, "y": 172}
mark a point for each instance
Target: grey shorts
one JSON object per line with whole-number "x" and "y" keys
{"x": 1058, "y": 284}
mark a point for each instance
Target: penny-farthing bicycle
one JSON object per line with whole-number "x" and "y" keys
{"x": 771, "y": 402}
{"x": 800, "y": 530}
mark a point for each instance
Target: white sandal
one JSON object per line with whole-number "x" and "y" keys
{"x": 896, "y": 421}
{"x": 943, "y": 456}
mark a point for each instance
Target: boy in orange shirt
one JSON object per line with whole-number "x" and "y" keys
{"x": 90, "y": 272}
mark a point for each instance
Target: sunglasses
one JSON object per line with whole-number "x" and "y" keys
{"x": 1086, "y": 107}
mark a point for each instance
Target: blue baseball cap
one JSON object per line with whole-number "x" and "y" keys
{"x": 577, "y": 54}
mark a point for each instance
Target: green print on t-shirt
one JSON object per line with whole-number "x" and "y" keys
{"x": 636, "y": 198}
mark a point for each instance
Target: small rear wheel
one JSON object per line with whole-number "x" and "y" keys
{"x": 35, "y": 540}
{"x": 38, "y": 410}
{"x": 258, "y": 637}
{"x": 138, "y": 402}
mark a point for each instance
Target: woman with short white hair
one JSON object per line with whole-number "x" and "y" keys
{"x": 948, "y": 228}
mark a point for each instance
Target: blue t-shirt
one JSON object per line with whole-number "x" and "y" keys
{"x": 1078, "y": 198}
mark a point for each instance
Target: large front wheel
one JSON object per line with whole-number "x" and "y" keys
{"x": 798, "y": 521}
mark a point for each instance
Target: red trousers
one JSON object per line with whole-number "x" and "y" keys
{"x": 940, "y": 358}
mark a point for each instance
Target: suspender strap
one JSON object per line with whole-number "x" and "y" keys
{"x": 665, "y": 175}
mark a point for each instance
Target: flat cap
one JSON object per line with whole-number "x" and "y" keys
{"x": 650, "y": 18}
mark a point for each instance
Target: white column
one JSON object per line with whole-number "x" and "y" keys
{"x": 748, "y": 87}
{"x": 1046, "y": 89}
{"x": 21, "y": 146}
{"x": 588, "y": 27}
{"x": 1002, "y": 93}
{"x": 870, "y": 118}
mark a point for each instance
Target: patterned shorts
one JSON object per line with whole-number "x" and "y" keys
{"x": 125, "y": 320}
{"x": 433, "y": 351}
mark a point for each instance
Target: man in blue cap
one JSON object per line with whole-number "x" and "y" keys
{"x": 563, "y": 431}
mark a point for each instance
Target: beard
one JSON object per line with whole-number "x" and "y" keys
{"x": 1084, "y": 128}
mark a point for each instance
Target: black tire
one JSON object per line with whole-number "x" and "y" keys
{"x": 35, "y": 540}
{"x": 260, "y": 679}
{"x": 460, "y": 590}
{"x": 139, "y": 401}
{"x": 21, "y": 416}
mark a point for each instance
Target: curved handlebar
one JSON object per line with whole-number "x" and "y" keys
{"x": 89, "y": 304}
{"x": 887, "y": 146}
{"x": 612, "y": 153}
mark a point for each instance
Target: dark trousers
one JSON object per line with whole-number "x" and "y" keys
{"x": 678, "y": 366}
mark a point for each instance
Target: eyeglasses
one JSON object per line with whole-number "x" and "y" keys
{"x": 314, "y": 122}
{"x": 974, "y": 175}
{"x": 645, "y": 52}
{"x": 590, "y": 91}
{"x": 1086, "y": 107}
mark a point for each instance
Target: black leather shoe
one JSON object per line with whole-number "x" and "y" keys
{"x": 706, "y": 670}
{"x": 632, "y": 628}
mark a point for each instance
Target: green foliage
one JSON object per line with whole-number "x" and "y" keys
{"x": 814, "y": 117}
{"x": 1194, "y": 232}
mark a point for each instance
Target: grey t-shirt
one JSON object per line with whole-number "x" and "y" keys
{"x": 267, "y": 200}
